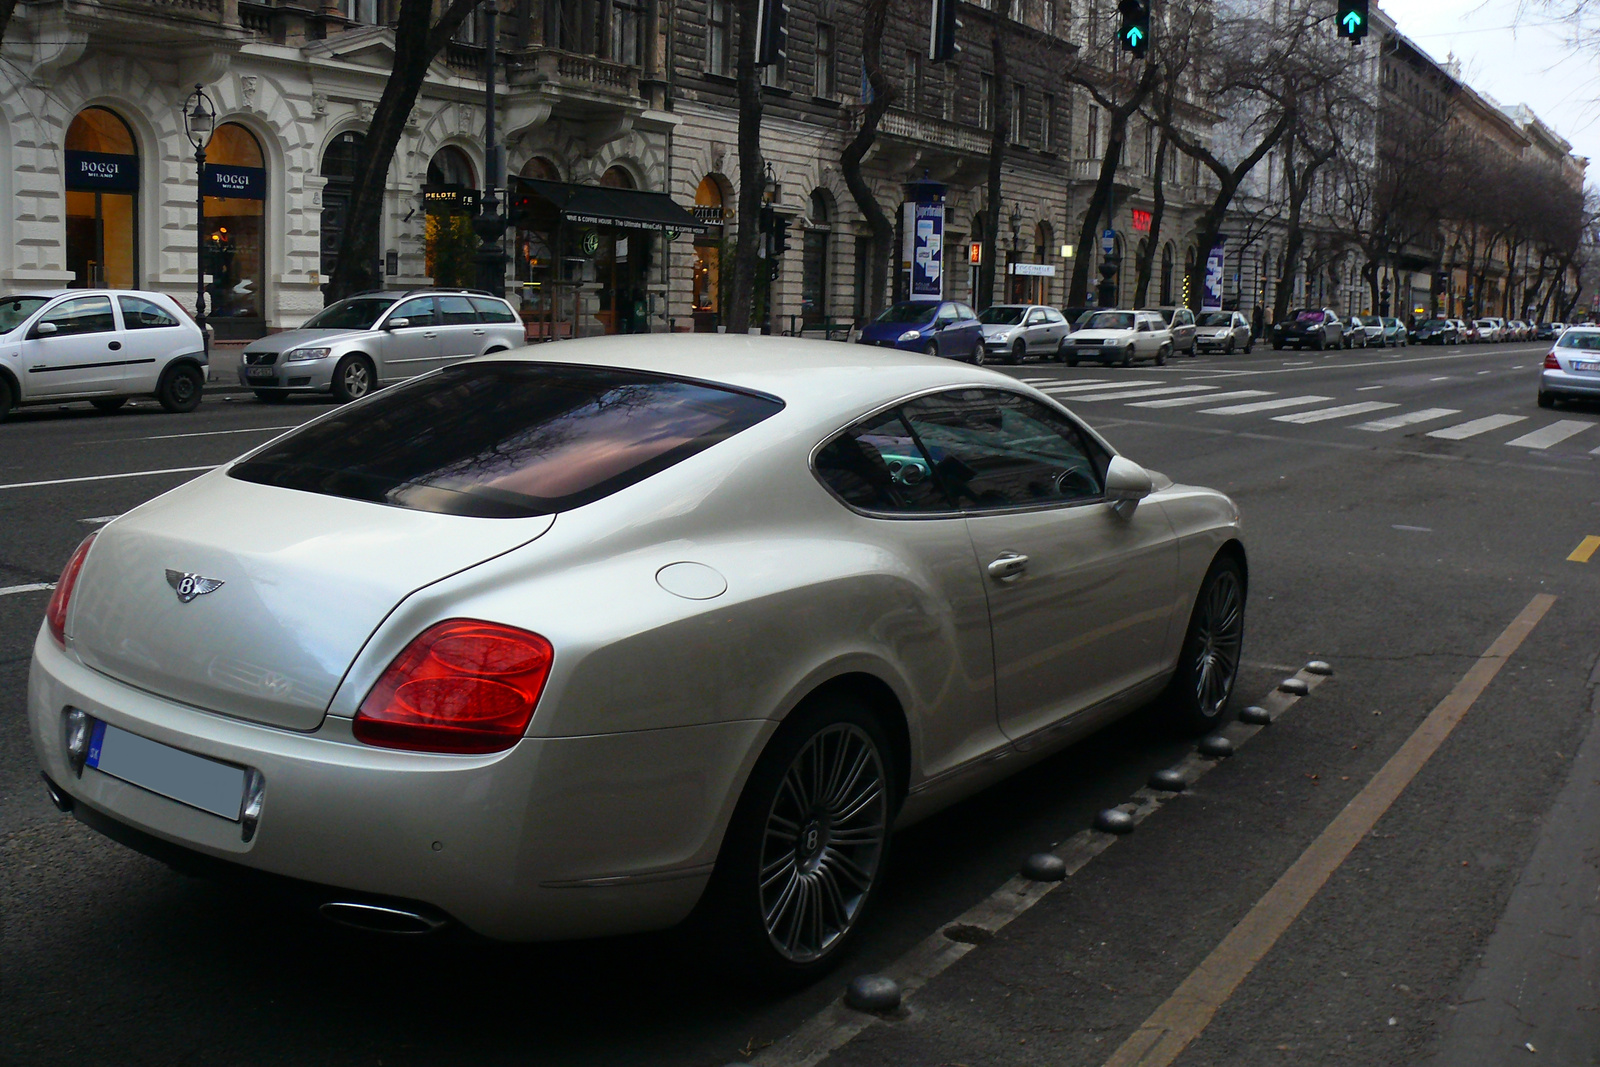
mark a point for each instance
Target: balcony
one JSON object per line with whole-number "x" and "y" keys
{"x": 573, "y": 74}
{"x": 932, "y": 132}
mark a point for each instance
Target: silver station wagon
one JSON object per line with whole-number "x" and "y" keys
{"x": 352, "y": 347}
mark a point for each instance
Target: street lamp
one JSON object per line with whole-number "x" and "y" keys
{"x": 490, "y": 224}
{"x": 199, "y": 122}
{"x": 1016, "y": 241}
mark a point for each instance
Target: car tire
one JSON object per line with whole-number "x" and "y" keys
{"x": 784, "y": 825}
{"x": 271, "y": 396}
{"x": 108, "y": 404}
{"x": 1276, "y": 347}
{"x": 1061, "y": 350}
{"x": 1208, "y": 665}
{"x": 1228, "y": 349}
{"x": 1072, "y": 363}
{"x": 1019, "y": 353}
{"x": 181, "y": 388}
{"x": 353, "y": 378}
{"x": 930, "y": 349}
{"x": 980, "y": 356}
{"x": 8, "y": 397}
{"x": 1161, "y": 355}
{"x": 1249, "y": 347}
{"x": 1546, "y": 400}
{"x": 1127, "y": 358}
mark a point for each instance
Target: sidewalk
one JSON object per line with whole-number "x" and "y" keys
{"x": 223, "y": 374}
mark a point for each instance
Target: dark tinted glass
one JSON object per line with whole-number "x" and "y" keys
{"x": 911, "y": 312}
{"x": 507, "y": 439}
{"x": 417, "y": 312}
{"x": 492, "y": 310}
{"x": 876, "y": 465}
{"x": 141, "y": 314}
{"x": 1001, "y": 315}
{"x": 456, "y": 311}
{"x": 993, "y": 449}
{"x": 356, "y": 313}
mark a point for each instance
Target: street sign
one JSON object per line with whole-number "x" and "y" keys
{"x": 1108, "y": 242}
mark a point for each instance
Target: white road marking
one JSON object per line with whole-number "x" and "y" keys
{"x": 1441, "y": 378}
{"x": 1097, "y": 384}
{"x": 1368, "y": 388}
{"x": 1341, "y": 412}
{"x": 107, "y": 477}
{"x": 35, "y": 587}
{"x": 216, "y": 433}
{"x": 1301, "y": 363}
{"x": 1394, "y": 422}
{"x": 1553, "y": 434}
{"x": 1060, "y": 381}
{"x": 1476, "y": 426}
{"x": 1267, "y": 405}
{"x": 1414, "y": 529}
{"x": 98, "y": 520}
{"x": 1209, "y": 398}
{"x": 1163, "y": 391}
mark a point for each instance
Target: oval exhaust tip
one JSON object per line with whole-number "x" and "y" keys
{"x": 380, "y": 918}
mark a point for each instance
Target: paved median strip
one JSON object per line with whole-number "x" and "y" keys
{"x": 838, "y": 1023}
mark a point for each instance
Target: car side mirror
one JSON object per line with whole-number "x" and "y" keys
{"x": 44, "y": 329}
{"x": 1127, "y": 483}
{"x": 397, "y": 324}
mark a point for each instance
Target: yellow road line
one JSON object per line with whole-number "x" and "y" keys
{"x": 1170, "y": 1029}
{"x": 1584, "y": 550}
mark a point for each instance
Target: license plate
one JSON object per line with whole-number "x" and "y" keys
{"x": 182, "y": 776}
{"x": 1586, "y": 365}
{"x": 259, "y": 372}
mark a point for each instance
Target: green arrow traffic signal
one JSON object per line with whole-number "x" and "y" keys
{"x": 1351, "y": 21}
{"x": 1135, "y": 35}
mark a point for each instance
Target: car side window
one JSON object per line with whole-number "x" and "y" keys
{"x": 947, "y": 313}
{"x": 877, "y": 465}
{"x": 993, "y": 449}
{"x": 456, "y": 311}
{"x": 141, "y": 314}
{"x": 417, "y": 311}
{"x": 82, "y": 314}
{"x": 965, "y": 313}
{"x": 492, "y": 310}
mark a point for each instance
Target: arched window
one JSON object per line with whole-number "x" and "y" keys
{"x": 542, "y": 169}
{"x": 451, "y": 195}
{"x": 706, "y": 286}
{"x": 617, "y": 178}
{"x": 1166, "y": 275}
{"x": 814, "y": 271}
{"x": 236, "y": 193}
{"x": 102, "y": 187}
{"x": 339, "y": 168}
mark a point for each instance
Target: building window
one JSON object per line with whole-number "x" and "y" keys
{"x": 914, "y": 83}
{"x": 1047, "y": 120}
{"x": 706, "y": 286}
{"x": 985, "y": 100}
{"x": 102, "y": 183}
{"x": 452, "y": 196}
{"x": 814, "y": 274}
{"x": 1149, "y": 148}
{"x": 1166, "y": 275}
{"x": 1019, "y": 113}
{"x": 718, "y": 14}
{"x": 362, "y": 12}
{"x": 823, "y": 70}
{"x": 236, "y": 191}
{"x": 625, "y": 40}
{"x": 1091, "y": 137}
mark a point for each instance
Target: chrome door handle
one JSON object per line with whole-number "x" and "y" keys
{"x": 430, "y": 333}
{"x": 1009, "y": 566}
{"x": 479, "y": 333}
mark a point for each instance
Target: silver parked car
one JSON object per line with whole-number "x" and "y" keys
{"x": 98, "y": 345}
{"x": 1013, "y": 332}
{"x": 1223, "y": 331}
{"x": 564, "y": 642}
{"x": 1571, "y": 368}
{"x": 351, "y": 347}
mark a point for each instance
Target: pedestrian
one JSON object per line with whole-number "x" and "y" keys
{"x": 1257, "y": 323}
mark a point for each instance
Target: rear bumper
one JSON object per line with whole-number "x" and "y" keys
{"x": 1568, "y": 383}
{"x": 553, "y": 838}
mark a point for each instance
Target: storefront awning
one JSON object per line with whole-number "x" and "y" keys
{"x": 536, "y": 203}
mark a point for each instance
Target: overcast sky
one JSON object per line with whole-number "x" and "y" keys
{"x": 1518, "y": 55}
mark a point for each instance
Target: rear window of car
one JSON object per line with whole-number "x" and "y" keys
{"x": 1588, "y": 340}
{"x": 492, "y": 310}
{"x": 507, "y": 439}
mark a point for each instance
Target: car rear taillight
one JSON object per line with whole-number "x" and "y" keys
{"x": 1551, "y": 363}
{"x": 460, "y": 686}
{"x": 56, "y": 614}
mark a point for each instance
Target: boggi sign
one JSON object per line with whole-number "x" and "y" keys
{"x": 236, "y": 183}
{"x": 102, "y": 172}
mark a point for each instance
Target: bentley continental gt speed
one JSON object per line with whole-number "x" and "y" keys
{"x": 611, "y": 634}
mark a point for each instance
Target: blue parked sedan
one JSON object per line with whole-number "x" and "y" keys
{"x": 937, "y": 328}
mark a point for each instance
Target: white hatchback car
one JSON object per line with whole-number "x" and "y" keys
{"x": 1121, "y": 337}
{"x": 99, "y": 345}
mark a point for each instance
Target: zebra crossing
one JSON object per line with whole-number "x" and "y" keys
{"x": 1309, "y": 409}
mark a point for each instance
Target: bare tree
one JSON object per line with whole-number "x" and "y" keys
{"x": 752, "y": 171}
{"x": 873, "y": 17}
{"x": 419, "y": 37}
{"x": 999, "y": 137}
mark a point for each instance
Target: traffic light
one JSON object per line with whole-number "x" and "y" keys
{"x": 780, "y": 234}
{"x": 1135, "y": 31}
{"x": 1353, "y": 19}
{"x": 942, "y": 45}
{"x": 772, "y": 32}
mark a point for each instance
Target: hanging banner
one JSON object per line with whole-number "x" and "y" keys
{"x": 922, "y": 253}
{"x": 101, "y": 172}
{"x": 236, "y": 183}
{"x": 1211, "y": 295}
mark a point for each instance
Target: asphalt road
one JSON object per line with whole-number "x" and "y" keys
{"x": 1394, "y": 553}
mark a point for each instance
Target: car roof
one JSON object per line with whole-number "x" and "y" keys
{"x": 816, "y": 379}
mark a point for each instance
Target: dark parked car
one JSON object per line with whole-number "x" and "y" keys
{"x": 1547, "y": 331}
{"x": 1308, "y": 328}
{"x": 934, "y": 327}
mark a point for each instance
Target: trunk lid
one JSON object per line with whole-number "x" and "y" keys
{"x": 305, "y": 578}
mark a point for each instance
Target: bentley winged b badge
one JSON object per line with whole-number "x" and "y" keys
{"x": 188, "y": 586}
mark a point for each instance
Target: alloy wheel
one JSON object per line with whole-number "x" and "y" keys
{"x": 1218, "y": 634}
{"x": 356, "y": 380}
{"x": 823, "y": 842}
